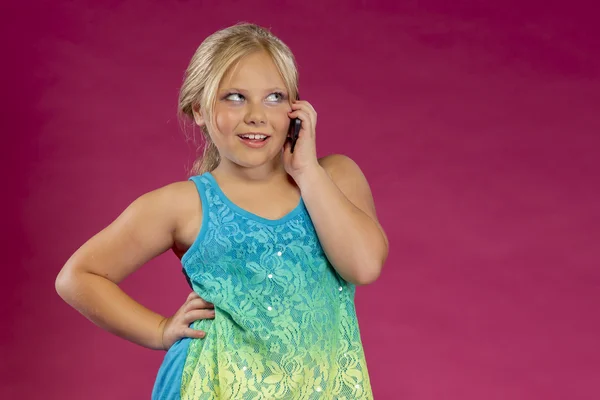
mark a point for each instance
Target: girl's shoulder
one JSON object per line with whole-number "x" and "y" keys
{"x": 350, "y": 180}
{"x": 183, "y": 203}
{"x": 182, "y": 197}
{"x": 173, "y": 202}
{"x": 341, "y": 167}
{"x": 332, "y": 160}
{"x": 175, "y": 194}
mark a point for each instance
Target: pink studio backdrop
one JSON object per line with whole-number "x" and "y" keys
{"x": 477, "y": 124}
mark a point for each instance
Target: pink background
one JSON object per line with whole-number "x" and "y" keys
{"x": 477, "y": 124}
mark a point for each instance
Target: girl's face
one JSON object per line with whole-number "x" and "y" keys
{"x": 252, "y": 99}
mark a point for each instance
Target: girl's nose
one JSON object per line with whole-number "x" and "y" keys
{"x": 256, "y": 115}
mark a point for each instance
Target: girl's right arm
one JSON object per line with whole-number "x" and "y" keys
{"x": 147, "y": 228}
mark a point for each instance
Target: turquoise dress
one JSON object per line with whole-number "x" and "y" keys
{"x": 285, "y": 325}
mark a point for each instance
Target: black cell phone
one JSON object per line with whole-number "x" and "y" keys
{"x": 294, "y": 129}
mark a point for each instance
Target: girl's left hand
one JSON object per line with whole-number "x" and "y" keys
{"x": 304, "y": 157}
{"x": 178, "y": 326}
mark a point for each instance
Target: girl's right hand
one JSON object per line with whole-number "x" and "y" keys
{"x": 178, "y": 326}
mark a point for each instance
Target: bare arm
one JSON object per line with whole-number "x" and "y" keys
{"x": 89, "y": 280}
{"x": 341, "y": 207}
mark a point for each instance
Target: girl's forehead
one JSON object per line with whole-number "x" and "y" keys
{"x": 256, "y": 70}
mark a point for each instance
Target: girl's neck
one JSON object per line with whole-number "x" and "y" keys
{"x": 265, "y": 174}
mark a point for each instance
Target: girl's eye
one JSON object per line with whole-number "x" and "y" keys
{"x": 275, "y": 97}
{"x": 272, "y": 98}
{"x": 234, "y": 97}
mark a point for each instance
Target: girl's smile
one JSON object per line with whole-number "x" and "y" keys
{"x": 254, "y": 140}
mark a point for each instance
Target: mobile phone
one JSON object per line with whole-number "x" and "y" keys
{"x": 294, "y": 129}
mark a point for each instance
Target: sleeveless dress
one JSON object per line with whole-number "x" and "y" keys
{"x": 285, "y": 325}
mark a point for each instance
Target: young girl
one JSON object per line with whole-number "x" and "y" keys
{"x": 275, "y": 240}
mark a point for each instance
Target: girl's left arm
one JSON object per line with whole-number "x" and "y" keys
{"x": 339, "y": 201}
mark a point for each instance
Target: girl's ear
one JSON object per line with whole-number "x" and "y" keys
{"x": 198, "y": 117}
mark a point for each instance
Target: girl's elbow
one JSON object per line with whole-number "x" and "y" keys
{"x": 368, "y": 276}
{"x": 63, "y": 282}
{"x": 67, "y": 281}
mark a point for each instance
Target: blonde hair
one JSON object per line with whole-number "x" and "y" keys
{"x": 212, "y": 60}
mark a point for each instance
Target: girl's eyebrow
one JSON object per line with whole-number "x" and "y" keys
{"x": 232, "y": 90}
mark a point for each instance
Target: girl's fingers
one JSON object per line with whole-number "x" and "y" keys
{"x": 305, "y": 111}
{"x": 307, "y": 124}
{"x": 304, "y": 105}
{"x": 198, "y": 304}
{"x": 192, "y": 296}
{"x": 193, "y": 333}
{"x": 196, "y": 315}
{"x": 303, "y": 115}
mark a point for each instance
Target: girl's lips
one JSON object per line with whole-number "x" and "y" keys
{"x": 255, "y": 143}
{"x": 254, "y": 133}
